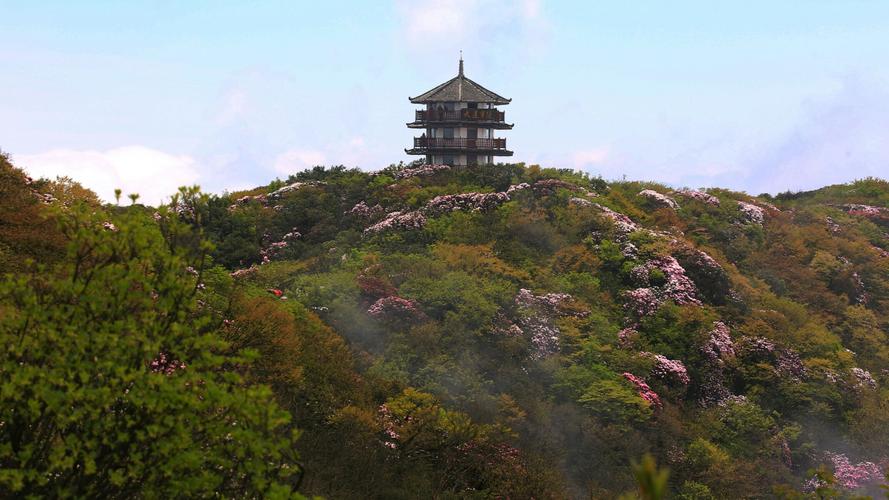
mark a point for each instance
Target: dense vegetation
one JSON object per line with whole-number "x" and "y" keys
{"x": 425, "y": 331}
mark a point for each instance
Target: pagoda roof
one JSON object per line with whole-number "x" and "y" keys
{"x": 460, "y": 89}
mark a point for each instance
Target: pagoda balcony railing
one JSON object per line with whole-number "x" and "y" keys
{"x": 459, "y": 143}
{"x": 461, "y": 115}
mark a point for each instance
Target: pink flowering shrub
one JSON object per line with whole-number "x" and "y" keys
{"x": 861, "y": 297}
{"x": 752, "y": 213}
{"x": 394, "y": 307}
{"x": 644, "y": 390}
{"x": 627, "y": 337}
{"x": 864, "y": 210}
{"x": 398, "y": 221}
{"x": 718, "y": 349}
{"x": 711, "y": 279}
{"x": 712, "y": 391}
{"x": 464, "y": 201}
{"x": 641, "y": 302}
{"x": 538, "y": 319}
{"x": 264, "y": 199}
{"x": 517, "y": 187}
{"x": 719, "y": 346}
{"x": 853, "y": 476}
{"x": 580, "y": 202}
{"x": 758, "y": 346}
{"x": 165, "y": 365}
{"x": 668, "y": 370}
{"x": 863, "y": 379}
{"x": 623, "y": 223}
{"x": 421, "y": 171}
{"x": 245, "y": 273}
{"x": 659, "y": 199}
{"x": 505, "y": 327}
{"x": 372, "y": 283}
{"x": 389, "y": 422}
{"x": 677, "y": 287}
{"x": 362, "y": 211}
{"x": 278, "y": 193}
{"x": 550, "y": 301}
{"x": 790, "y": 366}
{"x": 700, "y": 196}
{"x": 271, "y": 251}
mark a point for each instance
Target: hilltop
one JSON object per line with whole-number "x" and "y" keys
{"x": 514, "y": 331}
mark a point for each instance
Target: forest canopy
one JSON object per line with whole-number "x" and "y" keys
{"x": 485, "y": 332}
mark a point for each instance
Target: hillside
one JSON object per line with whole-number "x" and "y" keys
{"x": 514, "y": 332}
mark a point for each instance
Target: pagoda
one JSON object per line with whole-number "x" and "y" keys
{"x": 458, "y": 123}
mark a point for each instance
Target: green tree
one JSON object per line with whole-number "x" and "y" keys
{"x": 650, "y": 479}
{"x": 114, "y": 383}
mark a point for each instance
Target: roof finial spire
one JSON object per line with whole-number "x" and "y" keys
{"x": 461, "y": 63}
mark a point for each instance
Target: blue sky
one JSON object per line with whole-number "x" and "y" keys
{"x": 755, "y": 96}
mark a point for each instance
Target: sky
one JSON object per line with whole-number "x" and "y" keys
{"x": 760, "y": 96}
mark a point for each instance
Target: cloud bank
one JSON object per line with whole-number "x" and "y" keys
{"x": 495, "y": 30}
{"x": 153, "y": 174}
{"x": 837, "y": 140}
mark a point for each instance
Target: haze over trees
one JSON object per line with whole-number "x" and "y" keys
{"x": 431, "y": 332}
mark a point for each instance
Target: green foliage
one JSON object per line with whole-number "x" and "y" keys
{"x": 651, "y": 480}
{"x": 113, "y": 379}
{"x": 27, "y": 227}
{"x": 472, "y": 390}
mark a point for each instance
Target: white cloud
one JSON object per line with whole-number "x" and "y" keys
{"x": 485, "y": 29}
{"x": 153, "y": 174}
{"x": 234, "y": 106}
{"x": 296, "y": 160}
{"x": 531, "y": 9}
{"x": 838, "y": 140}
{"x": 590, "y": 157}
{"x": 438, "y": 19}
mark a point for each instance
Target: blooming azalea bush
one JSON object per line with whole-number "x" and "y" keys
{"x": 847, "y": 475}
{"x": 398, "y": 221}
{"x": 421, "y": 171}
{"x": 659, "y": 199}
{"x": 394, "y": 307}
{"x": 538, "y": 320}
{"x": 669, "y": 370}
{"x": 365, "y": 212}
{"x": 865, "y": 210}
{"x": 709, "y": 199}
{"x": 645, "y": 391}
{"x": 464, "y": 201}
{"x": 751, "y": 213}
